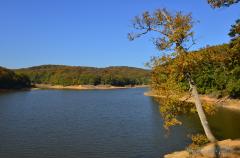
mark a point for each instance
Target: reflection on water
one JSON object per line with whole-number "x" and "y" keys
{"x": 224, "y": 123}
{"x": 94, "y": 124}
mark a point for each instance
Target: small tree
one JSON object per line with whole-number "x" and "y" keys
{"x": 174, "y": 33}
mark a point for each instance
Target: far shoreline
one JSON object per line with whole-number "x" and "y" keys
{"x": 85, "y": 87}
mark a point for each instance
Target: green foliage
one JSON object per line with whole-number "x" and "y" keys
{"x": 220, "y": 73}
{"x": 73, "y": 75}
{"x": 215, "y": 70}
{"x": 11, "y": 80}
{"x": 233, "y": 88}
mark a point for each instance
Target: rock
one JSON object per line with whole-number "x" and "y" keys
{"x": 222, "y": 149}
{"x": 179, "y": 154}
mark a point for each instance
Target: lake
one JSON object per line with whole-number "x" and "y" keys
{"x": 95, "y": 124}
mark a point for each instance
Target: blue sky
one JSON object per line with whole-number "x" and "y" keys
{"x": 94, "y": 32}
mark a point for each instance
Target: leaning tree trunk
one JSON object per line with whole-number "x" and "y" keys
{"x": 197, "y": 100}
{"x": 200, "y": 111}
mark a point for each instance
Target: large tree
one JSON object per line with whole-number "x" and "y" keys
{"x": 173, "y": 33}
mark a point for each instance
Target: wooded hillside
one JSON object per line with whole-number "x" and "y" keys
{"x": 76, "y": 75}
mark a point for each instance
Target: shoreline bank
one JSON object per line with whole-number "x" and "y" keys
{"x": 84, "y": 87}
{"x": 226, "y": 148}
{"x": 231, "y": 104}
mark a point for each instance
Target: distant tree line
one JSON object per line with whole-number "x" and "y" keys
{"x": 73, "y": 75}
{"x": 12, "y": 80}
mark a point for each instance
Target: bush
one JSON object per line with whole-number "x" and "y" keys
{"x": 233, "y": 88}
{"x": 198, "y": 140}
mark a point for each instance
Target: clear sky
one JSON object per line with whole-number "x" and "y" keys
{"x": 94, "y": 32}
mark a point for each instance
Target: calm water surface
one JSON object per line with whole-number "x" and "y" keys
{"x": 95, "y": 124}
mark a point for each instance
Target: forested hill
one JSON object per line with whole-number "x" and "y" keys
{"x": 77, "y": 75}
{"x": 11, "y": 80}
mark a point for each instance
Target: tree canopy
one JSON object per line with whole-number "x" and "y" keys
{"x": 173, "y": 30}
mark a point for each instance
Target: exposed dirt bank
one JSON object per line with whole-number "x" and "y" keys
{"x": 224, "y": 149}
{"x": 232, "y": 104}
{"x": 83, "y": 87}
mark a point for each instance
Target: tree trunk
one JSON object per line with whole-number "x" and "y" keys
{"x": 201, "y": 113}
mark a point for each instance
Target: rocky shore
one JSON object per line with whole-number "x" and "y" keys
{"x": 221, "y": 149}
